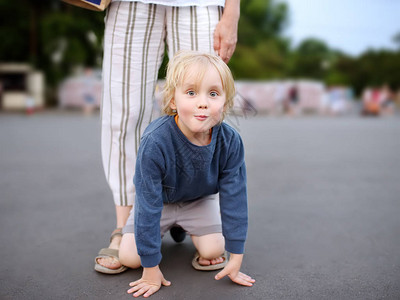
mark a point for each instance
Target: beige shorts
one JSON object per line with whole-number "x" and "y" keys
{"x": 198, "y": 217}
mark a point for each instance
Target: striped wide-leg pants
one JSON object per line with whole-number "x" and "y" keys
{"x": 134, "y": 42}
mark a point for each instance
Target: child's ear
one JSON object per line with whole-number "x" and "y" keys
{"x": 172, "y": 104}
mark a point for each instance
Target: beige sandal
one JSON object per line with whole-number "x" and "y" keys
{"x": 108, "y": 252}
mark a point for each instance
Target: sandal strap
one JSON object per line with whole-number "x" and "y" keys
{"x": 108, "y": 252}
{"x": 116, "y": 232}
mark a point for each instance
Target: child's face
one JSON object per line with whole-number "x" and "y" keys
{"x": 199, "y": 104}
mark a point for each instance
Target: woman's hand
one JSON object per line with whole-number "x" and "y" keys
{"x": 225, "y": 34}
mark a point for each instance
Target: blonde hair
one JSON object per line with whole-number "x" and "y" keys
{"x": 178, "y": 69}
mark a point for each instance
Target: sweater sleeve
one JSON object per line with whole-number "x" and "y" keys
{"x": 233, "y": 198}
{"x": 149, "y": 203}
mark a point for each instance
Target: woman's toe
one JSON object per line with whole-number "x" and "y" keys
{"x": 109, "y": 262}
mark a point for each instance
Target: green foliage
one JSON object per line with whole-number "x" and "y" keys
{"x": 14, "y": 45}
{"x": 396, "y": 39}
{"x": 51, "y": 35}
{"x": 311, "y": 59}
{"x": 339, "y": 70}
{"x": 376, "y": 68}
{"x": 337, "y": 78}
{"x": 261, "y": 19}
{"x": 70, "y": 40}
{"x": 372, "y": 68}
{"x": 260, "y": 52}
{"x": 264, "y": 61}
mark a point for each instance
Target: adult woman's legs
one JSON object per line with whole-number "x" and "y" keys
{"x": 133, "y": 52}
{"x": 122, "y": 213}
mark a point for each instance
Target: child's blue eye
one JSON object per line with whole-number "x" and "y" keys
{"x": 213, "y": 94}
{"x": 191, "y": 93}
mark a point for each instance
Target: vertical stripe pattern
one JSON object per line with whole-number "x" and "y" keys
{"x": 196, "y": 42}
{"x": 125, "y": 102}
{"x": 193, "y": 29}
{"x": 210, "y": 33}
{"x": 110, "y": 95}
{"x": 145, "y": 56}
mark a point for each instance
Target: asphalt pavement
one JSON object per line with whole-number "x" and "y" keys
{"x": 324, "y": 207}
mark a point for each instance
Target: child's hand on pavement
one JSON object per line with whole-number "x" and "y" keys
{"x": 232, "y": 269}
{"x": 151, "y": 282}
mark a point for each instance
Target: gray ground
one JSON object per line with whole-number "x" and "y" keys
{"x": 324, "y": 201}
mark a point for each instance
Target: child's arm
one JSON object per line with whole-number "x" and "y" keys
{"x": 151, "y": 282}
{"x": 232, "y": 269}
{"x": 148, "y": 207}
{"x": 234, "y": 215}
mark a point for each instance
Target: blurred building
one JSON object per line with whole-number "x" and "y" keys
{"x": 82, "y": 90}
{"x": 285, "y": 97}
{"x": 280, "y": 96}
{"x": 21, "y": 87}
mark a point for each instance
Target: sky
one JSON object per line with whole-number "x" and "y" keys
{"x": 352, "y": 26}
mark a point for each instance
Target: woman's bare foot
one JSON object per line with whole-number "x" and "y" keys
{"x": 111, "y": 262}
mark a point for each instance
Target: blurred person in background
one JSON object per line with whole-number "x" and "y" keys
{"x": 136, "y": 33}
{"x": 89, "y": 92}
{"x": 279, "y": 97}
{"x": 370, "y": 102}
{"x": 291, "y": 101}
{"x": 378, "y": 101}
{"x": 387, "y": 100}
{"x": 1, "y": 94}
{"x": 396, "y": 99}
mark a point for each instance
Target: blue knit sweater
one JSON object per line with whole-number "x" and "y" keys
{"x": 171, "y": 169}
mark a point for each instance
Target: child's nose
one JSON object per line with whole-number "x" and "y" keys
{"x": 202, "y": 103}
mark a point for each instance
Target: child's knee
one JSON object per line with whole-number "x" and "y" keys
{"x": 210, "y": 246}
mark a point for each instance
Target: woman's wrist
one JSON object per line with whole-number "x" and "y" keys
{"x": 232, "y": 10}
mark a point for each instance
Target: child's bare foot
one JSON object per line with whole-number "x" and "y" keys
{"x": 204, "y": 264}
{"x": 214, "y": 261}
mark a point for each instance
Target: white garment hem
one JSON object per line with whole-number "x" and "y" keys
{"x": 180, "y": 3}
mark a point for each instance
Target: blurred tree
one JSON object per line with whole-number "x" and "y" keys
{"x": 261, "y": 51}
{"x": 376, "y": 68}
{"x": 339, "y": 70}
{"x": 372, "y": 68}
{"x": 396, "y": 39}
{"x": 52, "y": 36}
{"x": 311, "y": 59}
{"x": 15, "y": 31}
{"x": 261, "y": 20}
{"x": 70, "y": 39}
